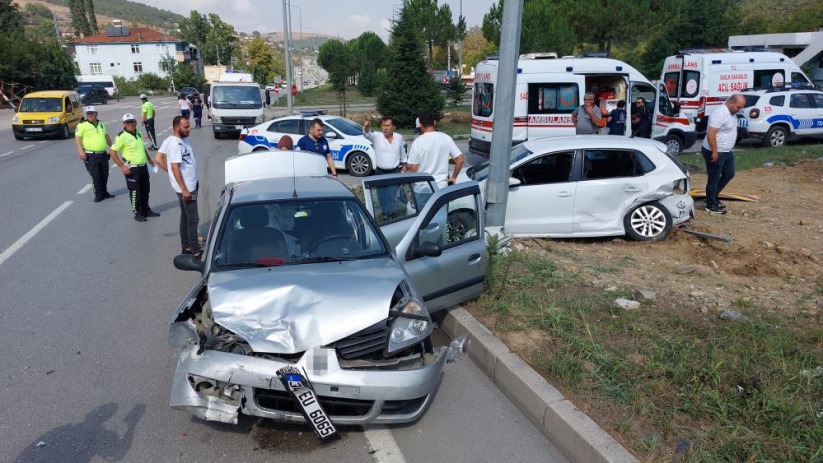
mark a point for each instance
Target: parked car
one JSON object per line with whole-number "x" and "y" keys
{"x": 92, "y": 94}
{"x": 778, "y": 115}
{"x": 567, "y": 187}
{"x": 349, "y": 148}
{"x": 297, "y": 274}
{"x": 270, "y": 87}
{"x": 189, "y": 92}
{"x": 50, "y": 113}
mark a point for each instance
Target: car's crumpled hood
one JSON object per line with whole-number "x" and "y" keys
{"x": 290, "y": 309}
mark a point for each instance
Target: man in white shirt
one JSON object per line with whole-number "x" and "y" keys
{"x": 389, "y": 147}
{"x": 717, "y": 150}
{"x": 431, "y": 151}
{"x": 177, "y": 158}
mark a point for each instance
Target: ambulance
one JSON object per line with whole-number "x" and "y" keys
{"x": 550, "y": 88}
{"x": 701, "y": 80}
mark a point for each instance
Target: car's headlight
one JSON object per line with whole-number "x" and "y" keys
{"x": 53, "y": 120}
{"x": 15, "y": 120}
{"x": 412, "y": 325}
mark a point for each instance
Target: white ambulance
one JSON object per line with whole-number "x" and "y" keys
{"x": 701, "y": 80}
{"x": 550, "y": 88}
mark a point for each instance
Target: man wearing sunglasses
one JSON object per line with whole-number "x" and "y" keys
{"x": 132, "y": 160}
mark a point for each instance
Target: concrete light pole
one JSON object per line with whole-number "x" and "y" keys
{"x": 287, "y": 46}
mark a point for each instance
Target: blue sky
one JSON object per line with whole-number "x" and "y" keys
{"x": 344, "y": 18}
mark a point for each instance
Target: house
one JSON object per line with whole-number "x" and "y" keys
{"x": 129, "y": 52}
{"x": 801, "y": 47}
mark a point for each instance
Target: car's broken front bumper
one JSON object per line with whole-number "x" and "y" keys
{"x": 218, "y": 385}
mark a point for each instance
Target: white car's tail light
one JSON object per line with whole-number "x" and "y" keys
{"x": 680, "y": 187}
{"x": 754, "y": 113}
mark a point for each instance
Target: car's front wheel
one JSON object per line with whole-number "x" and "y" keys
{"x": 105, "y": 100}
{"x": 776, "y": 136}
{"x": 358, "y": 164}
{"x": 648, "y": 222}
{"x": 64, "y": 132}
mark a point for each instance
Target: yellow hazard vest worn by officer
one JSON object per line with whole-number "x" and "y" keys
{"x": 148, "y": 109}
{"x": 93, "y": 138}
{"x": 131, "y": 148}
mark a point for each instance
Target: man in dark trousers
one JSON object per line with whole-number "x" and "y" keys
{"x": 641, "y": 119}
{"x": 93, "y": 143}
{"x": 129, "y": 143}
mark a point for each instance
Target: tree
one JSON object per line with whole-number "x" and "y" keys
{"x": 334, "y": 56}
{"x": 263, "y": 64}
{"x": 91, "y": 18}
{"x": 476, "y": 48}
{"x": 220, "y": 45}
{"x": 39, "y": 65}
{"x": 434, "y": 23}
{"x": 456, "y": 90}
{"x": 371, "y": 57}
{"x": 11, "y": 21}
{"x": 545, "y": 26}
{"x": 195, "y": 28}
{"x": 408, "y": 89}
{"x": 79, "y": 20}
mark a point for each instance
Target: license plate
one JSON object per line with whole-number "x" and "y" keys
{"x": 34, "y": 129}
{"x": 239, "y": 127}
{"x": 307, "y": 401}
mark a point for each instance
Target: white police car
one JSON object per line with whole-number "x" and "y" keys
{"x": 349, "y": 148}
{"x": 778, "y": 115}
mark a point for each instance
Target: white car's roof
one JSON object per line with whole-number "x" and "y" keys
{"x": 590, "y": 141}
{"x": 274, "y": 164}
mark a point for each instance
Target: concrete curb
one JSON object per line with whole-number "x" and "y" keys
{"x": 577, "y": 436}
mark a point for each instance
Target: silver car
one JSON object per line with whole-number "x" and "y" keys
{"x": 296, "y": 273}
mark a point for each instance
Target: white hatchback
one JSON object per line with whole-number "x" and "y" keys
{"x": 349, "y": 148}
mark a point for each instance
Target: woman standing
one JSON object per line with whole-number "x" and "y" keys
{"x": 197, "y": 111}
{"x": 185, "y": 106}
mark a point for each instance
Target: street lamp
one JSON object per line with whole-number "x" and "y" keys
{"x": 300, "y": 20}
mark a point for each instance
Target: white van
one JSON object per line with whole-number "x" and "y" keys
{"x": 105, "y": 81}
{"x": 701, "y": 80}
{"x": 549, "y": 89}
{"x": 235, "y": 104}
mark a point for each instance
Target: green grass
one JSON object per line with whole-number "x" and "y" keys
{"x": 748, "y": 156}
{"x": 325, "y": 95}
{"x": 663, "y": 378}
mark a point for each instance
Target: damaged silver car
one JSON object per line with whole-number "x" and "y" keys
{"x": 297, "y": 276}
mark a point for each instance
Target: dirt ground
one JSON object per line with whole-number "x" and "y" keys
{"x": 773, "y": 263}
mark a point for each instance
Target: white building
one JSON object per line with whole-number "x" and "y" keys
{"x": 128, "y": 52}
{"x": 801, "y": 47}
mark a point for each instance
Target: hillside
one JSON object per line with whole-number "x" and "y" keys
{"x": 131, "y": 13}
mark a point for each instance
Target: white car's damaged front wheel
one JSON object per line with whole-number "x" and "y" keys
{"x": 648, "y": 222}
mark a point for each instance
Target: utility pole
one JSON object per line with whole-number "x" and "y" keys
{"x": 56, "y": 29}
{"x": 287, "y": 46}
{"x": 460, "y": 45}
{"x": 497, "y": 188}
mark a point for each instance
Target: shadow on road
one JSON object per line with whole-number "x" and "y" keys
{"x": 81, "y": 442}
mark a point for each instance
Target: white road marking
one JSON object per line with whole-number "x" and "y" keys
{"x": 382, "y": 443}
{"x": 84, "y": 189}
{"x": 26, "y": 147}
{"x": 6, "y": 154}
{"x": 30, "y": 234}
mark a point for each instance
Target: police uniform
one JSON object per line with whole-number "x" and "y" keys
{"x": 148, "y": 111}
{"x": 94, "y": 144}
{"x": 133, "y": 153}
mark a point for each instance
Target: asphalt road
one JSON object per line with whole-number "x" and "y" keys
{"x": 85, "y": 297}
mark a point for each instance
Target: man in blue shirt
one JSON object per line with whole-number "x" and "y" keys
{"x": 317, "y": 143}
{"x": 617, "y": 119}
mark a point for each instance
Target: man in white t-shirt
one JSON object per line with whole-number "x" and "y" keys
{"x": 177, "y": 158}
{"x": 431, "y": 151}
{"x": 717, "y": 147}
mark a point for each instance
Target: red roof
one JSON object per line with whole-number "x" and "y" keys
{"x": 136, "y": 35}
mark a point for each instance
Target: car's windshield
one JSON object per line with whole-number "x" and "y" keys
{"x": 346, "y": 126}
{"x": 481, "y": 171}
{"x": 84, "y": 88}
{"x": 236, "y": 97}
{"x": 297, "y": 231}
{"x": 44, "y": 105}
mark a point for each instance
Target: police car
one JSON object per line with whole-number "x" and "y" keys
{"x": 349, "y": 148}
{"x": 780, "y": 114}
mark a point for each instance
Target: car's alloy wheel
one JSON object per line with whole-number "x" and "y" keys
{"x": 776, "y": 136}
{"x": 648, "y": 222}
{"x": 674, "y": 145}
{"x": 358, "y": 164}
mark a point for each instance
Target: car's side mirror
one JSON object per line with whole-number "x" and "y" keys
{"x": 427, "y": 248}
{"x": 188, "y": 262}
{"x": 513, "y": 182}
{"x": 331, "y": 134}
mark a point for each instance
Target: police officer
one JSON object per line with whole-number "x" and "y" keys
{"x": 148, "y": 119}
{"x": 93, "y": 143}
{"x": 129, "y": 143}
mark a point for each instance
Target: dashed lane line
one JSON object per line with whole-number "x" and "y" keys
{"x": 26, "y": 147}
{"x": 6, "y": 154}
{"x": 30, "y": 234}
{"x": 84, "y": 189}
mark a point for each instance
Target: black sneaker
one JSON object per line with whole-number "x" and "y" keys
{"x": 108, "y": 196}
{"x": 715, "y": 209}
{"x": 152, "y": 214}
{"x": 721, "y": 205}
{"x": 140, "y": 217}
{"x": 98, "y": 199}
